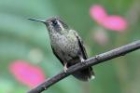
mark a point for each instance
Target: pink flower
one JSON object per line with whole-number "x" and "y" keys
{"x": 112, "y": 22}
{"x": 98, "y": 13}
{"x": 26, "y": 73}
{"x": 115, "y": 23}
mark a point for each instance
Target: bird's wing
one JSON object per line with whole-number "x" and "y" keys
{"x": 57, "y": 56}
{"x": 81, "y": 45}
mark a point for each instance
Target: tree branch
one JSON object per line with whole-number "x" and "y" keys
{"x": 121, "y": 51}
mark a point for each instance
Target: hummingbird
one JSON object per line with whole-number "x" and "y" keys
{"x": 67, "y": 46}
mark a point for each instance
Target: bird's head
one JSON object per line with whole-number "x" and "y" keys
{"x": 53, "y": 24}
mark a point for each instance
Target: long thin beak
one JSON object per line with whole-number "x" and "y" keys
{"x": 42, "y": 21}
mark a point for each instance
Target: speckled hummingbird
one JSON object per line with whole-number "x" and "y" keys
{"x": 67, "y": 46}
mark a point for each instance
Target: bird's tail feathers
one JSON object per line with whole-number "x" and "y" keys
{"x": 84, "y": 74}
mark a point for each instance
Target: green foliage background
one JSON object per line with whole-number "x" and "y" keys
{"x": 19, "y": 38}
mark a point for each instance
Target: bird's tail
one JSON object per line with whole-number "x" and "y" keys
{"x": 84, "y": 74}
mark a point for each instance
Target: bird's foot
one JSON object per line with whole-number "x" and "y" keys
{"x": 65, "y": 68}
{"x": 82, "y": 60}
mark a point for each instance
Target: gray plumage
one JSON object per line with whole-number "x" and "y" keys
{"x": 67, "y": 46}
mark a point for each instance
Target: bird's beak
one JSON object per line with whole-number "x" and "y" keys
{"x": 42, "y": 21}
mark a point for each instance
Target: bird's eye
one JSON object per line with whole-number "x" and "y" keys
{"x": 54, "y": 23}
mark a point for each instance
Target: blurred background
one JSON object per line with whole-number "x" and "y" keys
{"x": 26, "y": 57}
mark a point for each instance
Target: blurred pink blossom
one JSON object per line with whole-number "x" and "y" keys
{"x": 98, "y": 13}
{"x": 26, "y": 73}
{"x": 113, "y": 22}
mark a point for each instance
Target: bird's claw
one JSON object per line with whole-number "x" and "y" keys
{"x": 65, "y": 68}
{"x": 82, "y": 59}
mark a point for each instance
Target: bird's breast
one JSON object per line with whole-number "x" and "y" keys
{"x": 66, "y": 44}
